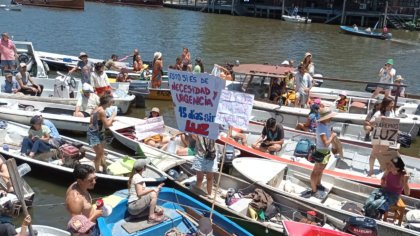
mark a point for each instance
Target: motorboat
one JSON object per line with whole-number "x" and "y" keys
{"x": 296, "y": 19}
{"x": 365, "y": 33}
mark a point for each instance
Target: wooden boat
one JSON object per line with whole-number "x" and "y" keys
{"x": 68, "y": 4}
{"x": 44, "y": 230}
{"x": 364, "y": 33}
{"x": 144, "y": 3}
{"x": 61, "y": 115}
{"x": 295, "y": 228}
{"x": 291, "y": 180}
{"x": 296, "y": 19}
{"x": 119, "y": 166}
{"x": 183, "y": 212}
{"x": 354, "y": 164}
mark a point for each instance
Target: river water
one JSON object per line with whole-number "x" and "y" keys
{"x": 102, "y": 30}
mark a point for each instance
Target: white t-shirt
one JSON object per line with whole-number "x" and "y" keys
{"x": 137, "y": 179}
{"x": 389, "y": 114}
{"x": 302, "y": 82}
{"x": 99, "y": 81}
{"x": 88, "y": 104}
{"x": 385, "y": 77}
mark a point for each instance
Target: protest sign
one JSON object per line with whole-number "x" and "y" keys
{"x": 196, "y": 96}
{"x": 386, "y": 131}
{"x": 234, "y": 109}
{"x": 149, "y": 127}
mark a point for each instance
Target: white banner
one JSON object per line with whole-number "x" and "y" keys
{"x": 149, "y": 127}
{"x": 196, "y": 96}
{"x": 234, "y": 109}
{"x": 386, "y": 131}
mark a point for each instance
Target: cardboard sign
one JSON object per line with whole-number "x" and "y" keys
{"x": 386, "y": 131}
{"x": 196, "y": 96}
{"x": 149, "y": 127}
{"x": 234, "y": 109}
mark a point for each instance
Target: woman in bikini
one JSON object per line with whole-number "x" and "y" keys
{"x": 157, "y": 70}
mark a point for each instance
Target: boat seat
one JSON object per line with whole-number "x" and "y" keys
{"x": 58, "y": 111}
{"x": 241, "y": 206}
{"x": 397, "y": 211}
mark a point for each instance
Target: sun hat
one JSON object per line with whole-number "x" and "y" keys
{"x": 22, "y": 64}
{"x": 390, "y": 61}
{"x": 343, "y": 93}
{"x": 155, "y": 109}
{"x": 399, "y": 77}
{"x": 157, "y": 55}
{"x": 7, "y": 75}
{"x": 87, "y": 88}
{"x": 36, "y": 120}
{"x": 325, "y": 113}
{"x": 82, "y": 54}
{"x": 140, "y": 164}
{"x": 308, "y": 54}
{"x": 80, "y": 224}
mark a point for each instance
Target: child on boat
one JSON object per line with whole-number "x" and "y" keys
{"x": 342, "y": 102}
{"x": 311, "y": 121}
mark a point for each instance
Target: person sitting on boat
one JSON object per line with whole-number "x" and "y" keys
{"x": 157, "y": 72}
{"x": 85, "y": 67}
{"x": 367, "y": 125}
{"x": 189, "y": 145}
{"x": 87, "y": 102}
{"x": 385, "y": 30}
{"x": 368, "y": 29}
{"x": 311, "y": 121}
{"x": 342, "y": 102}
{"x": 10, "y": 85}
{"x": 386, "y": 75}
{"x": 123, "y": 76}
{"x": 381, "y": 152}
{"x": 278, "y": 91}
{"x": 99, "y": 80}
{"x": 140, "y": 197}
{"x": 199, "y": 67}
{"x": 55, "y": 138}
{"x": 158, "y": 140}
{"x": 186, "y": 60}
{"x": 38, "y": 138}
{"x": 24, "y": 79}
{"x": 224, "y": 73}
{"x": 303, "y": 85}
{"x": 7, "y": 228}
{"x": 272, "y": 137}
{"x": 111, "y": 64}
{"x": 137, "y": 64}
{"x": 80, "y": 225}
{"x": 308, "y": 64}
{"x": 78, "y": 200}
{"x": 393, "y": 182}
{"x": 355, "y": 27}
{"x": 324, "y": 138}
{"x": 399, "y": 91}
{"x": 95, "y": 132}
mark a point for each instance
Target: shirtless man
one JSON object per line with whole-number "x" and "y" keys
{"x": 78, "y": 199}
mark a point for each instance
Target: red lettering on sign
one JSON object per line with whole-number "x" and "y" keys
{"x": 201, "y": 129}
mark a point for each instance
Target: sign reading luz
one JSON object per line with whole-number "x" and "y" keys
{"x": 386, "y": 131}
{"x": 196, "y": 96}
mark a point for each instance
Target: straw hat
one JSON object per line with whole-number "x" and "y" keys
{"x": 308, "y": 54}
{"x": 80, "y": 224}
{"x": 22, "y": 64}
{"x": 157, "y": 55}
{"x": 82, "y": 54}
{"x": 399, "y": 78}
{"x": 325, "y": 113}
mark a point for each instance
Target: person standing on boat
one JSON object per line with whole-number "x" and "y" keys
{"x": 99, "y": 80}
{"x": 84, "y": 66}
{"x": 386, "y": 75}
{"x": 87, "y": 102}
{"x": 38, "y": 138}
{"x": 186, "y": 60}
{"x": 399, "y": 91}
{"x": 10, "y": 85}
{"x": 295, "y": 11}
{"x": 205, "y": 162}
{"x": 303, "y": 85}
{"x": 381, "y": 152}
{"x": 324, "y": 138}
{"x": 369, "y": 126}
{"x": 95, "y": 132}
{"x": 141, "y": 198}
{"x": 157, "y": 72}
{"x": 272, "y": 137}
{"x": 78, "y": 200}
{"x": 8, "y": 53}
{"x": 308, "y": 64}
{"x": 24, "y": 78}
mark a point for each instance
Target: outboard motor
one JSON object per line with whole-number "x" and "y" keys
{"x": 64, "y": 87}
{"x": 361, "y": 226}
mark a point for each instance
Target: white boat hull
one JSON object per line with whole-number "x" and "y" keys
{"x": 296, "y": 19}
{"x": 44, "y": 230}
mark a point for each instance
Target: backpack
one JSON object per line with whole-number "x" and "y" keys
{"x": 303, "y": 148}
{"x": 361, "y": 226}
{"x": 374, "y": 204}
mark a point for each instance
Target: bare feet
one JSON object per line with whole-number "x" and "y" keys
{"x": 31, "y": 154}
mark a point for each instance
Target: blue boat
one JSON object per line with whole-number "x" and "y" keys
{"x": 181, "y": 210}
{"x": 364, "y": 33}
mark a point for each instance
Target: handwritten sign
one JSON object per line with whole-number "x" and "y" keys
{"x": 386, "y": 131}
{"x": 149, "y": 127}
{"x": 196, "y": 96}
{"x": 234, "y": 109}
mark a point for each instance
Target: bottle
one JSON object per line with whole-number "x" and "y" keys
{"x": 23, "y": 169}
